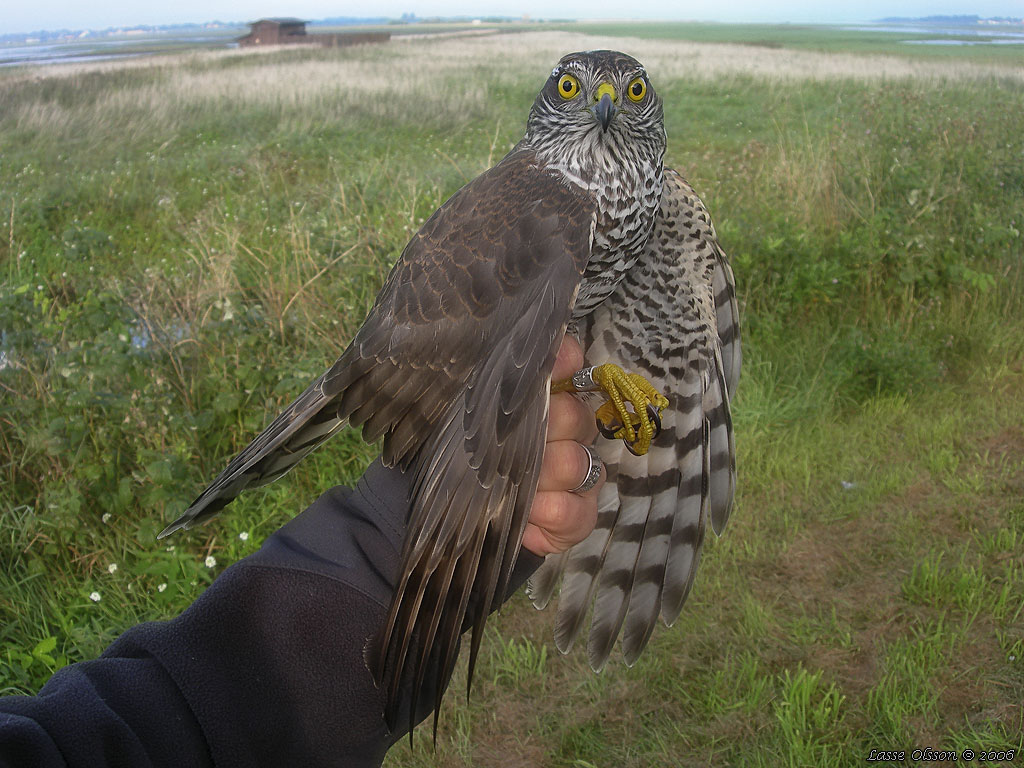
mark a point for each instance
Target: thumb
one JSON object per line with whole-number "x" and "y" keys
{"x": 569, "y": 360}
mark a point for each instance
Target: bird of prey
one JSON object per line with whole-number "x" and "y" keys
{"x": 580, "y": 228}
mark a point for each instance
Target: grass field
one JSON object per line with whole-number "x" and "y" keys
{"x": 871, "y": 39}
{"x": 186, "y": 241}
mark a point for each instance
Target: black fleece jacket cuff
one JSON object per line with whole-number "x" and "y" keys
{"x": 264, "y": 669}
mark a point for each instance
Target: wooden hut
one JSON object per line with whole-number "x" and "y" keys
{"x": 275, "y": 32}
{"x": 292, "y": 31}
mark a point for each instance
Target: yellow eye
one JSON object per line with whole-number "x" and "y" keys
{"x": 568, "y": 86}
{"x": 637, "y": 89}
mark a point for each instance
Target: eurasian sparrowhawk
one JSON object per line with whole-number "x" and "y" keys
{"x": 578, "y": 228}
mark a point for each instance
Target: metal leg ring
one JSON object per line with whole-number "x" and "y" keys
{"x": 655, "y": 417}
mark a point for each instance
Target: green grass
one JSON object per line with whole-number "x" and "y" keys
{"x": 811, "y": 37}
{"x": 186, "y": 242}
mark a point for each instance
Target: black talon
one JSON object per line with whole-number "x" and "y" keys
{"x": 655, "y": 417}
{"x": 605, "y": 430}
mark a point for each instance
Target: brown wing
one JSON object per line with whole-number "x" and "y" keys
{"x": 452, "y": 369}
{"x": 505, "y": 259}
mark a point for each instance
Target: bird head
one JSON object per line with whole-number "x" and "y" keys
{"x": 597, "y": 102}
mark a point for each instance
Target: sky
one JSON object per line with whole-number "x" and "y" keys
{"x": 29, "y": 15}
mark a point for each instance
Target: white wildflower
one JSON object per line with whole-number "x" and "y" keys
{"x": 112, "y": 568}
{"x": 161, "y": 587}
{"x": 210, "y": 561}
{"x": 244, "y": 535}
{"x": 106, "y": 517}
{"x": 95, "y": 597}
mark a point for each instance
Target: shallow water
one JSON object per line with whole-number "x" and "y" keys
{"x": 39, "y": 54}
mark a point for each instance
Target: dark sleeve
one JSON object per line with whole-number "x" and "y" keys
{"x": 265, "y": 668}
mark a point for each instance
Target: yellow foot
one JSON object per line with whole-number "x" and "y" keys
{"x": 636, "y": 427}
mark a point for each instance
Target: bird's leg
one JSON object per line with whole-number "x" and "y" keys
{"x": 636, "y": 427}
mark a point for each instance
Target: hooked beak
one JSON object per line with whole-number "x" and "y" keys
{"x": 605, "y": 108}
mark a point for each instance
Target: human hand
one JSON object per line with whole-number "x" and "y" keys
{"x": 559, "y": 517}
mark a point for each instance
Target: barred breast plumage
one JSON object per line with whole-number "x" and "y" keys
{"x": 674, "y": 319}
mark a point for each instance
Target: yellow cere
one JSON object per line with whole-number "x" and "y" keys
{"x": 568, "y": 86}
{"x": 604, "y": 88}
{"x": 637, "y": 89}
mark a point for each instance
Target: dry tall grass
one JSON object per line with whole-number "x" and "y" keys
{"x": 456, "y": 77}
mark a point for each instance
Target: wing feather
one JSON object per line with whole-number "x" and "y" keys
{"x": 722, "y": 460}
{"x": 727, "y": 318}
{"x": 583, "y": 566}
{"x": 475, "y": 469}
{"x": 615, "y": 584}
{"x": 452, "y": 368}
{"x": 673, "y": 319}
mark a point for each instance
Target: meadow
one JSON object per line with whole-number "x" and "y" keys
{"x": 187, "y": 240}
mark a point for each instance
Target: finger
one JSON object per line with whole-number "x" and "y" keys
{"x": 565, "y": 514}
{"x": 570, "y": 419}
{"x": 564, "y": 467}
{"x": 560, "y": 520}
{"x": 569, "y": 359}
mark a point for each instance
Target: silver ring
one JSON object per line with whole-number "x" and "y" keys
{"x": 583, "y": 380}
{"x": 593, "y": 472}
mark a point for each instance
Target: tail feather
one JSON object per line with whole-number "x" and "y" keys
{"x": 582, "y": 569}
{"x": 727, "y": 318}
{"x": 683, "y": 419}
{"x": 722, "y": 449}
{"x": 541, "y": 586}
{"x": 616, "y": 579}
{"x": 687, "y": 532}
{"x": 299, "y": 430}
